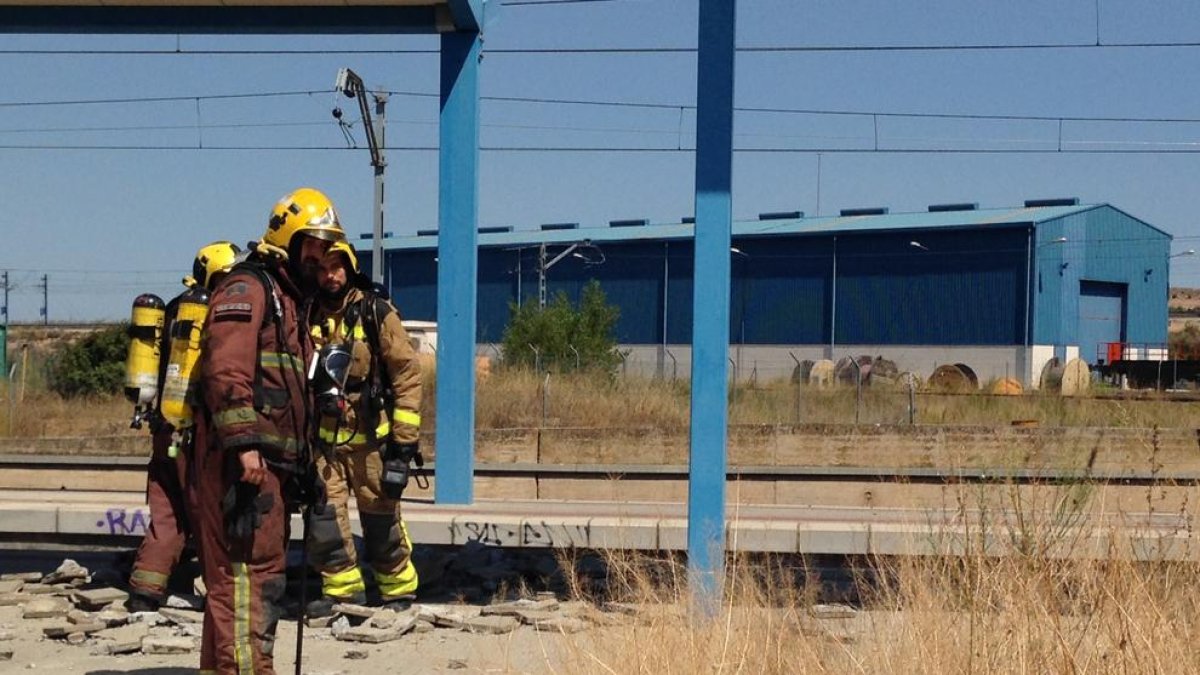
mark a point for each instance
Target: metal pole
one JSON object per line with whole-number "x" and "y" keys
{"x": 857, "y": 389}
{"x": 662, "y": 361}
{"x": 912, "y": 400}
{"x": 5, "y": 308}
{"x": 45, "y": 302}
{"x": 377, "y": 262}
{"x": 1027, "y": 369}
{"x": 833, "y": 304}
{"x": 709, "y": 425}
{"x": 542, "y": 276}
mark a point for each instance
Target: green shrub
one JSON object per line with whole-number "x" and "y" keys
{"x": 554, "y": 330}
{"x": 94, "y": 365}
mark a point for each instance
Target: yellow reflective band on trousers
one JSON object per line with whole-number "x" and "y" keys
{"x": 149, "y": 578}
{"x": 403, "y": 582}
{"x": 406, "y": 417}
{"x": 350, "y": 437}
{"x": 243, "y": 654}
{"x": 343, "y": 584}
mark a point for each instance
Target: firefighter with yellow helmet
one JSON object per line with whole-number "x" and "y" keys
{"x": 252, "y": 452}
{"x": 170, "y": 526}
{"x": 368, "y": 443}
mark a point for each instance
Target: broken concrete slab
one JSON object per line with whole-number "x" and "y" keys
{"x": 6, "y": 654}
{"x": 530, "y": 617}
{"x": 832, "y": 612}
{"x": 184, "y": 601}
{"x": 28, "y": 577}
{"x": 77, "y": 638}
{"x": 562, "y": 624}
{"x": 491, "y": 625}
{"x": 376, "y": 635}
{"x": 321, "y": 622}
{"x": 63, "y": 630}
{"x": 423, "y": 627}
{"x": 516, "y": 606}
{"x": 113, "y": 616}
{"x": 6, "y": 635}
{"x": 98, "y": 598}
{"x": 46, "y": 608}
{"x": 180, "y": 616}
{"x": 125, "y": 639}
{"x": 157, "y": 644}
{"x": 46, "y": 589}
{"x": 355, "y": 654}
{"x": 11, "y": 599}
{"x": 11, "y": 586}
{"x": 358, "y": 611}
{"x": 67, "y": 571}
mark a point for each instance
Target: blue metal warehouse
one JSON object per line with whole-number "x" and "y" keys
{"x": 1002, "y": 290}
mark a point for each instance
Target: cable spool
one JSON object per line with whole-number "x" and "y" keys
{"x": 846, "y": 373}
{"x": 821, "y": 373}
{"x": 1006, "y": 386}
{"x": 801, "y": 372}
{"x": 1072, "y": 378}
{"x": 884, "y": 372}
{"x": 949, "y": 377}
{"x": 966, "y": 370}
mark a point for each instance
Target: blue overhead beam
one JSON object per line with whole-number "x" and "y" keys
{"x": 377, "y": 20}
{"x": 710, "y": 328}
{"x": 458, "y": 210}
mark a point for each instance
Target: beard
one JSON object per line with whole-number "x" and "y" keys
{"x": 333, "y": 296}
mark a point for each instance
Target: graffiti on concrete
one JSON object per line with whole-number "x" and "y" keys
{"x": 119, "y": 521}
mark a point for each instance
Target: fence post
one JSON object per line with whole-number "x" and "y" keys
{"x": 674, "y": 365}
{"x": 857, "y": 388}
{"x": 537, "y": 359}
{"x": 912, "y": 400}
{"x": 798, "y": 384}
{"x": 576, "y": 352}
{"x": 545, "y": 398}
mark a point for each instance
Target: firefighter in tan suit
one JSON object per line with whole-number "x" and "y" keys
{"x": 366, "y": 447}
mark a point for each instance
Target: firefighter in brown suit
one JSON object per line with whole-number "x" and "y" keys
{"x": 252, "y": 440}
{"x": 170, "y": 524}
{"x": 366, "y": 448}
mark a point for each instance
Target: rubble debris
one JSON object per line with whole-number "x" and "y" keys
{"x": 491, "y": 625}
{"x": 358, "y": 611}
{"x": 376, "y": 635}
{"x": 181, "y": 616}
{"x": 6, "y": 654}
{"x": 10, "y": 599}
{"x": 11, "y": 586}
{"x": 356, "y": 654}
{"x": 561, "y": 624}
{"x": 517, "y": 606}
{"x": 123, "y": 640}
{"x": 6, "y": 635}
{"x": 63, "y": 630}
{"x": 113, "y": 616}
{"x": 27, "y": 577}
{"x": 98, "y": 598}
{"x": 832, "y": 612}
{"x": 77, "y": 638}
{"x": 160, "y": 644}
{"x": 184, "y": 601}
{"x": 46, "y": 608}
{"x": 456, "y": 664}
{"x": 69, "y": 570}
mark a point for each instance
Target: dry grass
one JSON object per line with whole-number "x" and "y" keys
{"x": 1004, "y": 597}
{"x": 521, "y": 399}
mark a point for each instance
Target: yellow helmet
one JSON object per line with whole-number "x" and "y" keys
{"x": 345, "y": 248}
{"x": 215, "y": 258}
{"x": 305, "y": 211}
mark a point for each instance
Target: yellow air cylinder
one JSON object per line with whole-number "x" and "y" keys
{"x": 145, "y": 350}
{"x": 179, "y": 387}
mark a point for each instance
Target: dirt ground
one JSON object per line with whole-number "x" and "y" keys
{"x": 522, "y": 651}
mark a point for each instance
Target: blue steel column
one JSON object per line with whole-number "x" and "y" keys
{"x": 710, "y": 327}
{"x": 458, "y": 211}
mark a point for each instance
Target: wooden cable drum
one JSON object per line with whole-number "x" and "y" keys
{"x": 950, "y": 377}
{"x": 966, "y": 370}
{"x": 1006, "y": 386}
{"x": 845, "y": 372}
{"x": 883, "y": 371}
{"x": 801, "y": 372}
{"x": 821, "y": 373}
{"x": 1072, "y": 378}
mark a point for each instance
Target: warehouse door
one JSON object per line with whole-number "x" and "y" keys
{"x": 1101, "y": 318}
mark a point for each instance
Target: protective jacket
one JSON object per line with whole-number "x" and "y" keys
{"x": 372, "y": 417}
{"x": 255, "y": 397}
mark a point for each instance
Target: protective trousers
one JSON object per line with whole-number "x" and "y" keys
{"x": 169, "y": 527}
{"x": 388, "y": 550}
{"x": 245, "y": 577}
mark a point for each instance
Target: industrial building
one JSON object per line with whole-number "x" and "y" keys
{"x": 1001, "y": 290}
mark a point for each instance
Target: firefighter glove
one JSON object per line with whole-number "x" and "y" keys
{"x": 243, "y": 508}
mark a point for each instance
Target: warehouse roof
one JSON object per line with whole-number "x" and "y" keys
{"x": 872, "y": 221}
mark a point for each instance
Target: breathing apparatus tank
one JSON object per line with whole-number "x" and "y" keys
{"x": 179, "y": 386}
{"x": 144, "y": 356}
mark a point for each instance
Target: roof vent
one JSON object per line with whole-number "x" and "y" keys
{"x": 964, "y": 206}
{"x": 427, "y": 233}
{"x": 781, "y": 215}
{"x": 632, "y": 222}
{"x": 1064, "y": 201}
{"x": 688, "y": 220}
{"x": 495, "y": 229}
{"x": 877, "y": 211}
{"x": 560, "y": 226}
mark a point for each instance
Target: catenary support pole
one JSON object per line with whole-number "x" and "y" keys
{"x": 458, "y": 208}
{"x": 710, "y": 328}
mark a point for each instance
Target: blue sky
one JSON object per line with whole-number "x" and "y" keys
{"x": 105, "y": 224}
